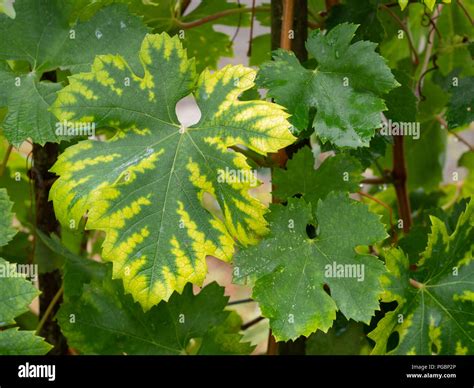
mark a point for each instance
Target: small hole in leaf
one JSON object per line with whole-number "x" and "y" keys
{"x": 434, "y": 349}
{"x": 311, "y": 231}
{"x": 393, "y": 341}
{"x": 327, "y": 289}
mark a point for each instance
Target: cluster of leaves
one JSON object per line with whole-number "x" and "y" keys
{"x": 162, "y": 199}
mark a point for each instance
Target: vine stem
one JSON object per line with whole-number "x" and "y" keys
{"x": 252, "y": 20}
{"x": 429, "y": 50}
{"x": 49, "y": 309}
{"x": 444, "y": 124}
{"x": 3, "y": 166}
{"x": 253, "y": 322}
{"x": 281, "y": 157}
{"x": 400, "y": 182}
{"x": 219, "y": 15}
{"x": 287, "y": 23}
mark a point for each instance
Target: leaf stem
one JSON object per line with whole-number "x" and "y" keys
{"x": 416, "y": 284}
{"x": 240, "y": 301}
{"x": 287, "y": 23}
{"x": 49, "y": 309}
{"x": 3, "y": 166}
{"x": 400, "y": 182}
{"x": 466, "y": 12}
{"x": 253, "y": 322}
{"x": 219, "y": 15}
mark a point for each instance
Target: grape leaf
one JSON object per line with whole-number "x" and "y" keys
{"x": 456, "y": 29}
{"x": 461, "y": 105}
{"x": 205, "y": 43}
{"x": 14, "y": 342}
{"x": 77, "y": 270}
{"x": 290, "y": 269}
{"x": 52, "y": 45}
{"x": 16, "y": 293}
{"x": 144, "y": 187}
{"x": 201, "y": 41}
{"x": 345, "y": 88}
{"x": 261, "y": 50}
{"x": 363, "y": 13}
{"x": 6, "y": 230}
{"x": 339, "y": 173}
{"x": 108, "y": 322}
{"x": 435, "y": 312}
{"x": 344, "y": 338}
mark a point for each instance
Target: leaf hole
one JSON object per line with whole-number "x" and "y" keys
{"x": 393, "y": 341}
{"x": 311, "y": 231}
{"x": 327, "y": 289}
{"x": 187, "y": 111}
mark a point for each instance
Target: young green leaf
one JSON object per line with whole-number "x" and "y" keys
{"x": 436, "y": 302}
{"x": 146, "y": 185}
{"x": 290, "y": 269}
{"x": 105, "y": 321}
{"x": 339, "y": 173}
{"x": 346, "y": 87}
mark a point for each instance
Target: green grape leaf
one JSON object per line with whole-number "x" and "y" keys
{"x": 363, "y": 13}
{"x": 16, "y": 293}
{"x": 261, "y": 50}
{"x": 205, "y": 43}
{"x": 6, "y": 230}
{"x": 338, "y": 173}
{"x": 145, "y": 187}
{"x": 77, "y": 270}
{"x": 207, "y": 46}
{"x": 225, "y": 338}
{"x": 461, "y": 105}
{"x": 467, "y": 160}
{"x": 108, "y": 322}
{"x": 427, "y": 153}
{"x": 49, "y": 46}
{"x": 453, "y": 50}
{"x": 344, "y": 338}
{"x": 435, "y": 312}
{"x": 14, "y": 342}
{"x": 290, "y": 269}
{"x": 345, "y": 88}
{"x": 28, "y": 104}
